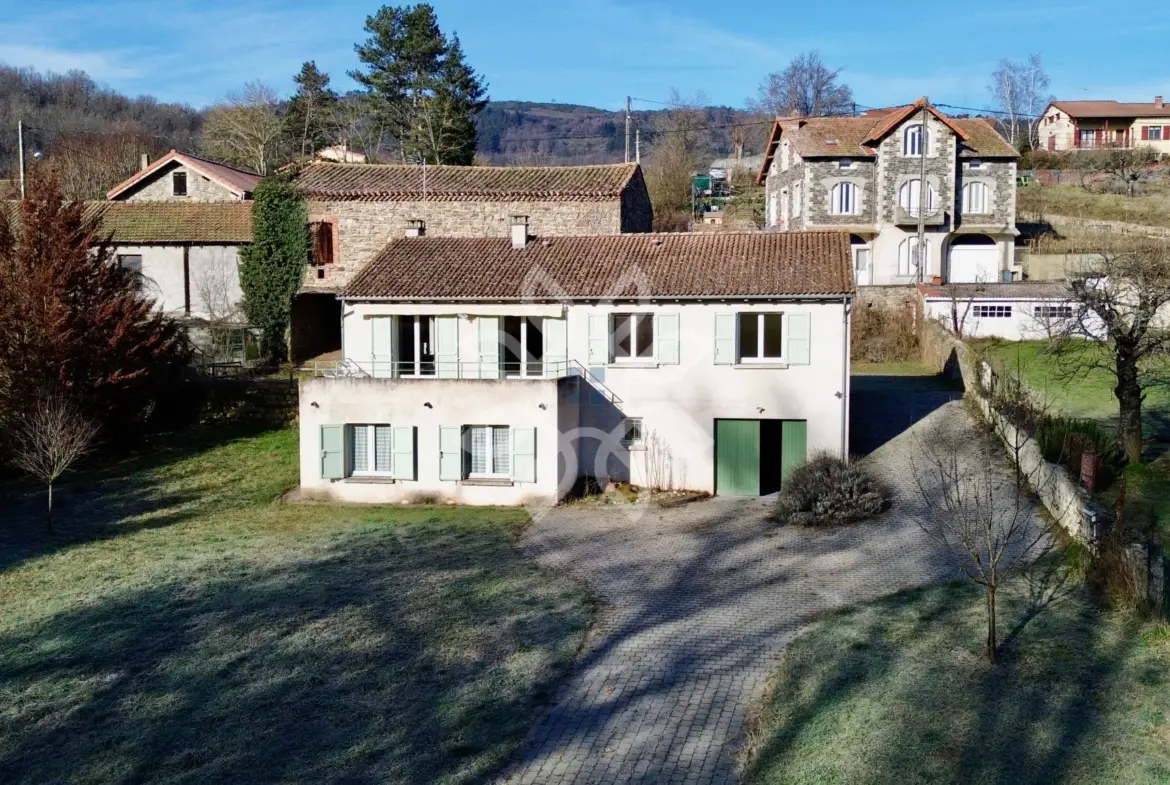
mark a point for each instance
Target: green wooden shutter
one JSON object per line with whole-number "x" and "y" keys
{"x": 598, "y": 339}
{"x": 724, "y": 339}
{"x": 799, "y": 338}
{"x": 793, "y": 446}
{"x": 333, "y": 452}
{"x": 489, "y": 347}
{"x": 524, "y": 454}
{"x": 447, "y": 346}
{"x": 556, "y": 346}
{"x": 381, "y": 343}
{"x": 450, "y": 454}
{"x": 667, "y": 338}
{"x": 402, "y": 447}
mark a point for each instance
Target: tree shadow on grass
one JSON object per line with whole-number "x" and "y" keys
{"x": 159, "y": 484}
{"x": 400, "y": 654}
{"x": 898, "y": 690}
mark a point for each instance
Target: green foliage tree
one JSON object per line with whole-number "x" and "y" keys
{"x": 420, "y": 82}
{"x": 309, "y": 115}
{"x": 272, "y": 267}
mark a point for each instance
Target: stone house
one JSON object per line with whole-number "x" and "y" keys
{"x": 864, "y": 175}
{"x": 1078, "y": 125}
{"x": 182, "y": 177}
{"x": 356, "y": 209}
{"x": 497, "y": 370}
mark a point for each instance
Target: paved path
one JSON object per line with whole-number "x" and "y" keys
{"x": 699, "y": 602}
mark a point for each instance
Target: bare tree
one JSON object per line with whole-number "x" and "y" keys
{"x": 358, "y": 121}
{"x": 981, "y": 512}
{"x": 1127, "y": 164}
{"x": 1020, "y": 92}
{"x": 219, "y": 299}
{"x": 806, "y": 88}
{"x": 49, "y": 437}
{"x": 245, "y": 128}
{"x": 676, "y": 139}
{"x": 1119, "y": 325}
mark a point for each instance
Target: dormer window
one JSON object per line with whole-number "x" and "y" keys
{"x": 913, "y": 141}
{"x": 179, "y": 183}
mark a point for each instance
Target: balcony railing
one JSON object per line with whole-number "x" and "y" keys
{"x": 440, "y": 369}
{"x": 935, "y": 217}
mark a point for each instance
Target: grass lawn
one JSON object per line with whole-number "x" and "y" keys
{"x": 185, "y": 627}
{"x": 1152, "y": 209}
{"x": 897, "y": 691}
{"x": 1089, "y": 395}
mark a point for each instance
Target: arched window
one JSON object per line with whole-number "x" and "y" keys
{"x": 910, "y": 196}
{"x": 975, "y": 199}
{"x": 909, "y": 258}
{"x": 843, "y": 199}
{"x": 913, "y": 141}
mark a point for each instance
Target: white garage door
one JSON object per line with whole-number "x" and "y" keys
{"x": 974, "y": 263}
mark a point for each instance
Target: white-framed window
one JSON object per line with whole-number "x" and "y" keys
{"x": 632, "y": 337}
{"x": 796, "y": 200}
{"x": 843, "y": 199}
{"x": 774, "y": 208}
{"x": 974, "y": 163}
{"x": 910, "y": 257}
{"x": 760, "y": 337}
{"x": 632, "y": 433}
{"x": 178, "y": 183}
{"x": 976, "y": 199}
{"x": 910, "y": 196}
{"x": 993, "y": 311}
{"x": 369, "y": 450}
{"x": 488, "y": 450}
{"x": 1155, "y": 133}
{"x": 416, "y": 345}
{"x": 522, "y": 345}
{"x": 1052, "y": 311}
{"x": 845, "y": 163}
{"x": 1086, "y": 138}
{"x": 913, "y": 141}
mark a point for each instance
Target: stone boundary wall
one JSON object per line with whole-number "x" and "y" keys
{"x": 1074, "y": 225}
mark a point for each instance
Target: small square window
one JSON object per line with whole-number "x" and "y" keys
{"x": 179, "y": 183}
{"x": 632, "y": 430}
{"x": 761, "y": 337}
{"x": 974, "y": 163}
{"x": 844, "y": 164}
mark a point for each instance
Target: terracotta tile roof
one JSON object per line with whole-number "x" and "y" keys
{"x": 380, "y": 182}
{"x": 142, "y": 223}
{"x": 858, "y": 137}
{"x": 983, "y": 141}
{"x": 699, "y": 265}
{"x": 1089, "y": 109}
{"x": 238, "y": 181}
{"x": 1015, "y": 290}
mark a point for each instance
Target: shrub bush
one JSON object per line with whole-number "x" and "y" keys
{"x": 882, "y": 334}
{"x": 1064, "y": 440}
{"x": 826, "y": 490}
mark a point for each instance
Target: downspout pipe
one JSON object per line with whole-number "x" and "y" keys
{"x": 846, "y": 327}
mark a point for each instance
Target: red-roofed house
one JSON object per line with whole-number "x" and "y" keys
{"x": 182, "y": 177}
{"x": 1077, "y": 125}
{"x": 864, "y": 175}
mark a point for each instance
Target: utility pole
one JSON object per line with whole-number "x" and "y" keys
{"x": 638, "y": 145}
{"x": 627, "y": 129}
{"x": 20, "y": 153}
{"x": 923, "y": 193}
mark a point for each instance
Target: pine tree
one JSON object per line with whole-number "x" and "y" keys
{"x": 272, "y": 266}
{"x": 309, "y": 115}
{"x": 72, "y": 321}
{"x": 420, "y": 81}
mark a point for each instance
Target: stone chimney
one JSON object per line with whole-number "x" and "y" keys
{"x": 143, "y": 161}
{"x": 519, "y": 231}
{"x": 1157, "y": 102}
{"x": 416, "y": 227}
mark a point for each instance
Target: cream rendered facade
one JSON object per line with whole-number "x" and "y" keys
{"x": 1058, "y": 132}
{"x": 801, "y": 196}
{"x": 574, "y": 415}
{"x": 196, "y": 281}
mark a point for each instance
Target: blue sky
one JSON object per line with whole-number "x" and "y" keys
{"x": 598, "y": 51}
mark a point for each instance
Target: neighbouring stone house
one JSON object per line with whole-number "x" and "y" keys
{"x": 864, "y": 175}
{"x": 714, "y": 362}
{"x": 182, "y": 177}
{"x": 356, "y": 209}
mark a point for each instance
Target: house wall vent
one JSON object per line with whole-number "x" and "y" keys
{"x": 416, "y": 228}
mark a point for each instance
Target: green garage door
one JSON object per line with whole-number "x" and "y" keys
{"x": 737, "y": 457}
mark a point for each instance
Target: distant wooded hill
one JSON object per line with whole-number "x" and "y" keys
{"x": 522, "y": 132}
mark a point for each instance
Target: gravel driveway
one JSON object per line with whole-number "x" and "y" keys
{"x": 699, "y": 601}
